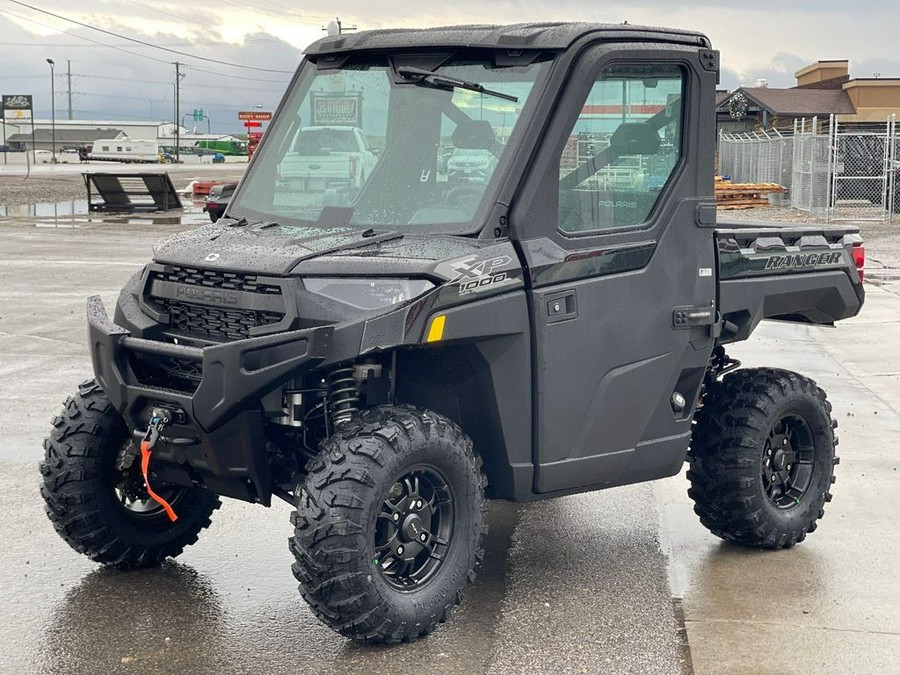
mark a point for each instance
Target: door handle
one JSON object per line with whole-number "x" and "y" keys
{"x": 561, "y": 306}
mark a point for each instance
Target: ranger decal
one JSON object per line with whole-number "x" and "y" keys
{"x": 792, "y": 261}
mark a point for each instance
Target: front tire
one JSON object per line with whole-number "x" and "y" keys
{"x": 762, "y": 458}
{"x": 388, "y": 524}
{"x": 101, "y": 511}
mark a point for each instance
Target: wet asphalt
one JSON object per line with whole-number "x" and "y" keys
{"x": 566, "y": 585}
{"x": 620, "y": 581}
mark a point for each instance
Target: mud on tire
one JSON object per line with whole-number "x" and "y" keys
{"x": 346, "y": 557}
{"x": 79, "y": 490}
{"x": 762, "y": 458}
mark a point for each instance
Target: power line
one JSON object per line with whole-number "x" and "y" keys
{"x": 292, "y": 16}
{"x": 144, "y": 98}
{"x": 147, "y": 44}
{"x": 70, "y": 45}
{"x": 293, "y": 11}
{"x": 162, "y": 11}
{"x": 236, "y": 77}
{"x": 194, "y": 85}
{"x": 124, "y": 116}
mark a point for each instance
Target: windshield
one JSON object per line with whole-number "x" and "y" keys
{"x": 363, "y": 145}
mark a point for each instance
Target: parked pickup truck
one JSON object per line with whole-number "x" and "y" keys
{"x": 327, "y": 158}
{"x": 386, "y": 364}
{"x": 217, "y": 200}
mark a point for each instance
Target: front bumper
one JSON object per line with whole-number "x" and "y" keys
{"x": 216, "y": 438}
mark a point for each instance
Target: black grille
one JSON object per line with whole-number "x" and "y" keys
{"x": 215, "y": 324}
{"x": 171, "y": 291}
{"x": 231, "y": 281}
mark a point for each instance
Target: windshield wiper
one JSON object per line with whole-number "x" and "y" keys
{"x": 450, "y": 82}
{"x": 368, "y": 238}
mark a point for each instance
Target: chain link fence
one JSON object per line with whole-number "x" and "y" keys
{"x": 832, "y": 170}
{"x": 757, "y": 157}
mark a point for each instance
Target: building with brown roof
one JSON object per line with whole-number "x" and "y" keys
{"x": 823, "y": 88}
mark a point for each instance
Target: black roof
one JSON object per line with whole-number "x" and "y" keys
{"x": 515, "y": 36}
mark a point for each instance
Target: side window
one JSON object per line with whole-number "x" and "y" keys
{"x": 622, "y": 150}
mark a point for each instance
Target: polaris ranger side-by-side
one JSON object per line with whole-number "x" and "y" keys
{"x": 385, "y": 354}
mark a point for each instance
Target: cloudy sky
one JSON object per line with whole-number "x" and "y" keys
{"x": 116, "y": 79}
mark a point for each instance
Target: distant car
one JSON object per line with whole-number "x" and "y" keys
{"x": 69, "y": 156}
{"x": 473, "y": 165}
{"x": 43, "y": 157}
{"x": 217, "y": 199}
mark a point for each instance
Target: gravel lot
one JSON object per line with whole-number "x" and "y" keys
{"x": 17, "y": 191}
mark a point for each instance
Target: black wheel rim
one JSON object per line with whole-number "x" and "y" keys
{"x": 788, "y": 461}
{"x": 413, "y": 529}
{"x": 130, "y": 490}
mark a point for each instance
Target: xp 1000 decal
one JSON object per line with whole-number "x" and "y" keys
{"x": 491, "y": 271}
{"x": 476, "y": 275}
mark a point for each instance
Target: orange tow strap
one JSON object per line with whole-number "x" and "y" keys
{"x": 145, "y": 466}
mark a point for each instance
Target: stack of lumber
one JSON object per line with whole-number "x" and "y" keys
{"x": 732, "y": 196}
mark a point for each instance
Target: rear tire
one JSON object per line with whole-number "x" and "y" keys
{"x": 390, "y": 493}
{"x": 80, "y": 483}
{"x": 762, "y": 458}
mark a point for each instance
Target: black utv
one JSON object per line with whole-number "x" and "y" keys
{"x": 385, "y": 348}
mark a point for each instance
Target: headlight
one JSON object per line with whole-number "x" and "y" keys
{"x": 367, "y": 293}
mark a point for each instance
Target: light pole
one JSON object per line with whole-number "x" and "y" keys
{"x": 52, "y": 108}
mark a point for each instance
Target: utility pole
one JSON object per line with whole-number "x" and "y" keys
{"x": 69, "y": 75}
{"x": 177, "y": 111}
{"x": 52, "y": 108}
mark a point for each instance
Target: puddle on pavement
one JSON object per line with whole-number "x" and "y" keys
{"x": 72, "y": 207}
{"x": 74, "y": 213}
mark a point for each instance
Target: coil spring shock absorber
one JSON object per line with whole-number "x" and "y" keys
{"x": 343, "y": 395}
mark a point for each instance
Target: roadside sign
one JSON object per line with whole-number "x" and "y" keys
{"x": 198, "y": 115}
{"x": 336, "y": 109}
{"x": 17, "y": 107}
{"x": 250, "y": 125}
{"x": 255, "y": 115}
{"x": 253, "y": 139}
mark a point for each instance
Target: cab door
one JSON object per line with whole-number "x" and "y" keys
{"x": 620, "y": 258}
